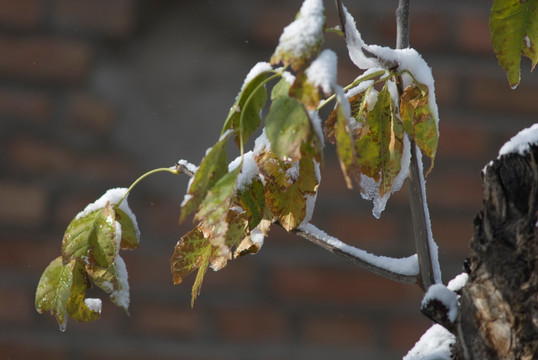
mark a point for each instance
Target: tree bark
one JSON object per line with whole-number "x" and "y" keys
{"x": 498, "y": 314}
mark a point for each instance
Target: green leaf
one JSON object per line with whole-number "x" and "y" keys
{"x": 297, "y": 51}
{"x": 288, "y": 127}
{"x": 418, "y": 120}
{"x": 252, "y": 199}
{"x": 191, "y": 252}
{"x": 129, "y": 233}
{"x": 75, "y": 243}
{"x": 103, "y": 245}
{"x": 379, "y": 145}
{"x": 305, "y": 92}
{"x": 289, "y": 205}
{"x": 212, "y": 168}
{"x": 112, "y": 280}
{"x": 54, "y": 290}
{"x": 76, "y": 306}
{"x": 514, "y": 32}
{"x": 244, "y": 115}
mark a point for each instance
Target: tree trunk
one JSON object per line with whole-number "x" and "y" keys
{"x": 498, "y": 315}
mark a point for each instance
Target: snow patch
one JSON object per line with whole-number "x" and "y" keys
{"x": 521, "y": 142}
{"x": 249, "y": 170}
{"x": 256, "y": 70}
{"x": 93, "y": 304}
{"x": 447, "y": 297}
{"x": 191, "y": 167}
{"x": 458, "y": 282}
{"x": 120, "y": 296}
{"x": 322, "y": 71}
{"x": 433, "y": 345}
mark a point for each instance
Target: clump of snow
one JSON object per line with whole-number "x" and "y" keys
{"x": 433, "y": 345}
{"x": 305, "y": 32}
{"x": 113, "y": 196}
{"x": 120, "y": 296}
{"x": 447, "y": 297}
{"x": 315, "y": 120}
{"x": 289, "y": 77}
{"x": 93, "y": 304}
{"x": 256, "y": 70}
{"x": 404, "y": 266}
{"x": 249, "y": 170}
{"x": 458, "y": 282}
{"x": 256, "y": 236}
{"x": 521, "y": 142}
{"x": 527, "y": 41}
{"x": 322, "y": 71}
{"x": 189, "y": 166}
{"x": 262, "y": 143}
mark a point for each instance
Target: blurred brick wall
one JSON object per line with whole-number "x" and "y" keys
{"x": 80, "y": 112}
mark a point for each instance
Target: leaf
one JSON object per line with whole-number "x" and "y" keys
{"x": 191, "y": 252}
{"x": 129, "y": 231}
{"x": 252, "y": 199}
{"x": 244, "y": 115}
{"x": 103, "y": 245}
{"x": 75, "y": 243}
{"x": 112, "y": 280}
{"x": 378, "y": 147}
{"x": 54, "y": 290}
{"x": 76, "y": 306}
{"x": 418, "y": 120}
{"x": 305, "y": 92}
{"x": 212, "y": 168}
{"x": 289, "y": 205}
{"x": 514, "y": 32}
{"x": 301, "y": 40}
{"x": 288, "y": 127}
{"x": 215, "y": 206}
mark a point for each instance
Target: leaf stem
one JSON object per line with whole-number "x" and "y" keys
{"x": 171, "y": 170}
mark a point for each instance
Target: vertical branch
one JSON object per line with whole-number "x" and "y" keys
{"x": 417, "y": 191}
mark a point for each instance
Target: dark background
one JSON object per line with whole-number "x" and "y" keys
{"x": 95, "y": 92}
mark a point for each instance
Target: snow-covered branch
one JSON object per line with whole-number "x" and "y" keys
{"x": 403, "y": 270}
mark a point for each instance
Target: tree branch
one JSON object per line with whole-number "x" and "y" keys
{"x": 380, "y": 265}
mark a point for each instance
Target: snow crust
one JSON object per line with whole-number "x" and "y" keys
{"x": 403, "y": 266}
{"x": 120, "y": 296}
{"x": 444, "y": 295}
{"x": 189, "y": 166}
{"x": 249, "y": 170}
{"x": 93, "y": 304}
{"x": 433, "y": 345}
{"x": 458, "y": 282}
{"x": 305, "y": 32}
{"x": 256, "y": 70}
{"x": 521, "y": 142}
{"x": 113, "y": 196}
{"x": 322, "y": 71}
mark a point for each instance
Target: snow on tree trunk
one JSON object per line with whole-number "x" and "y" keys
{"x": 498, "y": 315}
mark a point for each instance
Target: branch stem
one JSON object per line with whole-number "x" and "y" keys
{"x": 172, "y": 170}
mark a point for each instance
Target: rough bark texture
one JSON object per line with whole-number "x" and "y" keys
{"x": 498, "y": 317}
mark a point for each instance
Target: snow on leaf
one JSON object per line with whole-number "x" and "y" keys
{"x": 244, "y": 115}
{"x": 54, "y": 290}
{"x": 112, "y": 280}
{"x": 319, "y": 79}
{"x": 434, "y": 344}
{"x": 103, "y": 245}
{"x": 302, "y": 39}
{"x": 252, "y": 199}
{"x": 76, "y": 305}
{"x": 288, "y": 204}
{"x": 418, "y": 120}
{"x": 213, "y": 166}
{"x": 514, "y": 32}
{"x": 130, "y": 235}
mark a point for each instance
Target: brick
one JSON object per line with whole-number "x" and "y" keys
{"x": 90, "y": 113}
{"x": 112, "y": 18}
{"x": 363, "y": 230}
{"x": 338, "y": 330}
{"x": 332, "y": 286}
{"x": 30, "y": 254}
{"x": 473, "y": 33}
{"x": 455, "y": 190}
{"x": 403, "y": 333}
{"x": 25, "y": 105}
{"x": 17, "y": 305}
{"x": 165, "y": 319}
{"x": 37, "y": 156}
{"x": 467, "y": 142}
{"x": 493, "y": 94}
{"x": 453, "y": 235}
{"x": 21, "y": 14}
{"x": 252, "y": 325}
{"x": 447, "y": 88}
{"x": 23, "y": 350}
{"x": 22, "y": 204}
{"x": 44, "y": 59}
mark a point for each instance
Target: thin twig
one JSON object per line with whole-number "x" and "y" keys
{"x": 419, "y": 211}
{"x": 349, "y": 253}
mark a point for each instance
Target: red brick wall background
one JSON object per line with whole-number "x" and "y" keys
{"x": 95, "y": 92}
